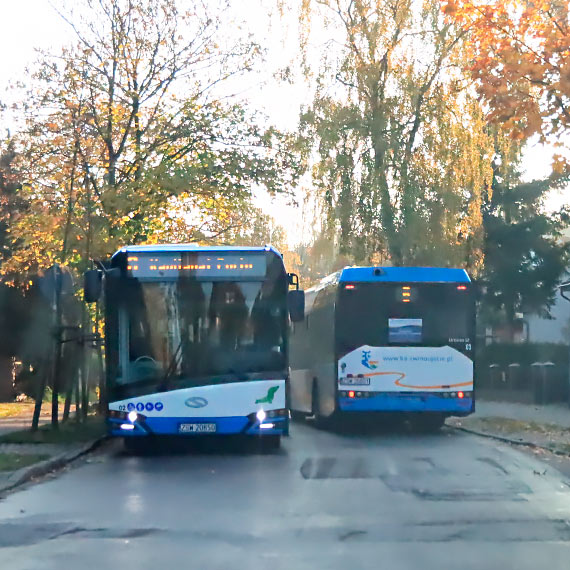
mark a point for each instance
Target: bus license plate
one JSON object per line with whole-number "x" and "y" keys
{"x": 197, "y": 428}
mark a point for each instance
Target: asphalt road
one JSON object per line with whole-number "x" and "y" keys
{"x": 325, "y": 500}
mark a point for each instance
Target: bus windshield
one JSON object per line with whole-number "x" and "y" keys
{"x": 425, "y": 314}
{"x": 193, "y": 330}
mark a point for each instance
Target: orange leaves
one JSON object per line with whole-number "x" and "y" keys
{"x": 520, "y": 59}
{"x": 560, "y": 165}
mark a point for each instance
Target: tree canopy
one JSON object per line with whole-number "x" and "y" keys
{"x": 403, "y": 156}
{"x": 520, "y": 59}
{"x": 524, "y": 255}
{"x": 127, "y": 135}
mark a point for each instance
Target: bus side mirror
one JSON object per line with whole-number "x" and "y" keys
{"x": 296, "y": 304}
{"x": 92, "y": 285}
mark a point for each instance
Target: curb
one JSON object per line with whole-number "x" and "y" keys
{"x": 52, "y": 464}
{"x": 504, "y": 439}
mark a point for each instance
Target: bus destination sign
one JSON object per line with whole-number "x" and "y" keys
{"x": 169, "y": 265}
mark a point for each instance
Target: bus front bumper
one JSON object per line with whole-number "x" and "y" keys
{"x": 196, "y": 427}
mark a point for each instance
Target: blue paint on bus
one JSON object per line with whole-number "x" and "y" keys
{"x": 395, "y": 402}
{"x": 404, "y": 275}
{"x": 226, "y": 425}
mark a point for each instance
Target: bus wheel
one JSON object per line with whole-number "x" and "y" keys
{"x": 270, "y": 443}
{"x": 428, "y": 423}
{"x": 316, "y": 407}
{"x": 134, "y": 445}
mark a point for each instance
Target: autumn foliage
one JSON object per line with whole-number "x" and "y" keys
{"x": 521, "y": 61}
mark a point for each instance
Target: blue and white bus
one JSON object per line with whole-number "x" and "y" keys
{"x": 196, "y": 341}
{"x": 386, "y": 339}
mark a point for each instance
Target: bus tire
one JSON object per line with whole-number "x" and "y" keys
{"x": 270, "y": 443}
{"x": 429, "y": 423}
{"x": 134, "y": 445}
{"x": 318, "y": 419}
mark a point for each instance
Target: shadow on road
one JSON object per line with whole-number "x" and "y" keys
{"x": 203, "y": 445}
{"x": 363, "y": 425}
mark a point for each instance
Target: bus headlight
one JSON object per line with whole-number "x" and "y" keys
{"x": 261, "y": 415}
{"x": 125, "y": 416}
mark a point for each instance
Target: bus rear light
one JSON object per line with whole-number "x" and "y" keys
{"x": 462, "y": 287}
{"x": 351, "y": 394}
{"x": 350, "y": 287}
{"x": 460, "y": 394}
{"x": 405, "y": 300}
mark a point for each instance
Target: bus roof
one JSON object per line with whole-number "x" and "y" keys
{"x": 405, "y": 275}
{"x": 183, "y": 247}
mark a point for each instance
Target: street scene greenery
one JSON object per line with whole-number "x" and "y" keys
{"x": 15, "y": 461}
{"x": 409, "y": 151}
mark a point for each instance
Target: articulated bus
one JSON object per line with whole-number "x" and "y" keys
{"x": 396, "y": 340}
{"x": 196, "y": 341}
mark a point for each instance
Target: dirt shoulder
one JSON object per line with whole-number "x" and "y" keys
{"x": 545, "y": 435}
{"x": 27, "y": 455}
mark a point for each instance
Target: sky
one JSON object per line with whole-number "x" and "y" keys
{"x": 27, "y": 25}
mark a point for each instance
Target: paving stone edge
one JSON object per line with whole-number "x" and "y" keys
{"x": 54, "y": 463}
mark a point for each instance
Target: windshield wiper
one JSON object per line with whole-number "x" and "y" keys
{"x": 239, "y": 376}
{"x": 171, "y": 369}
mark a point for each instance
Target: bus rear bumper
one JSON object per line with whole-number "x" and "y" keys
{"x": 244, "y": 425}
{"x": 406, "y": 402}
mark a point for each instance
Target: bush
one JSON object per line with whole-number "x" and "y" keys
{"x": 523, "y": 354}
{"x": 539, "y": 383}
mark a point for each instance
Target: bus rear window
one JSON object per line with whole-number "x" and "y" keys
{"x": 428, "y": 314}
{"x": 405, "y": 331}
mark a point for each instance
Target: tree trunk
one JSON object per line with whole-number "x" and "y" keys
{"x": 6, "y": 379}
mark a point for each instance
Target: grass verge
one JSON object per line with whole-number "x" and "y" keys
{"x": 15, "y": 461}
{"x": 510, "y": 425}
{"x": 70, "y": 432}
{"x": 11, "y": 409}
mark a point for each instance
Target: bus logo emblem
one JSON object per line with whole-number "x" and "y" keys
{"x": 196, "y": 402}
{"x": 268, "y": 398}
{"x": 371, "y": 364}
